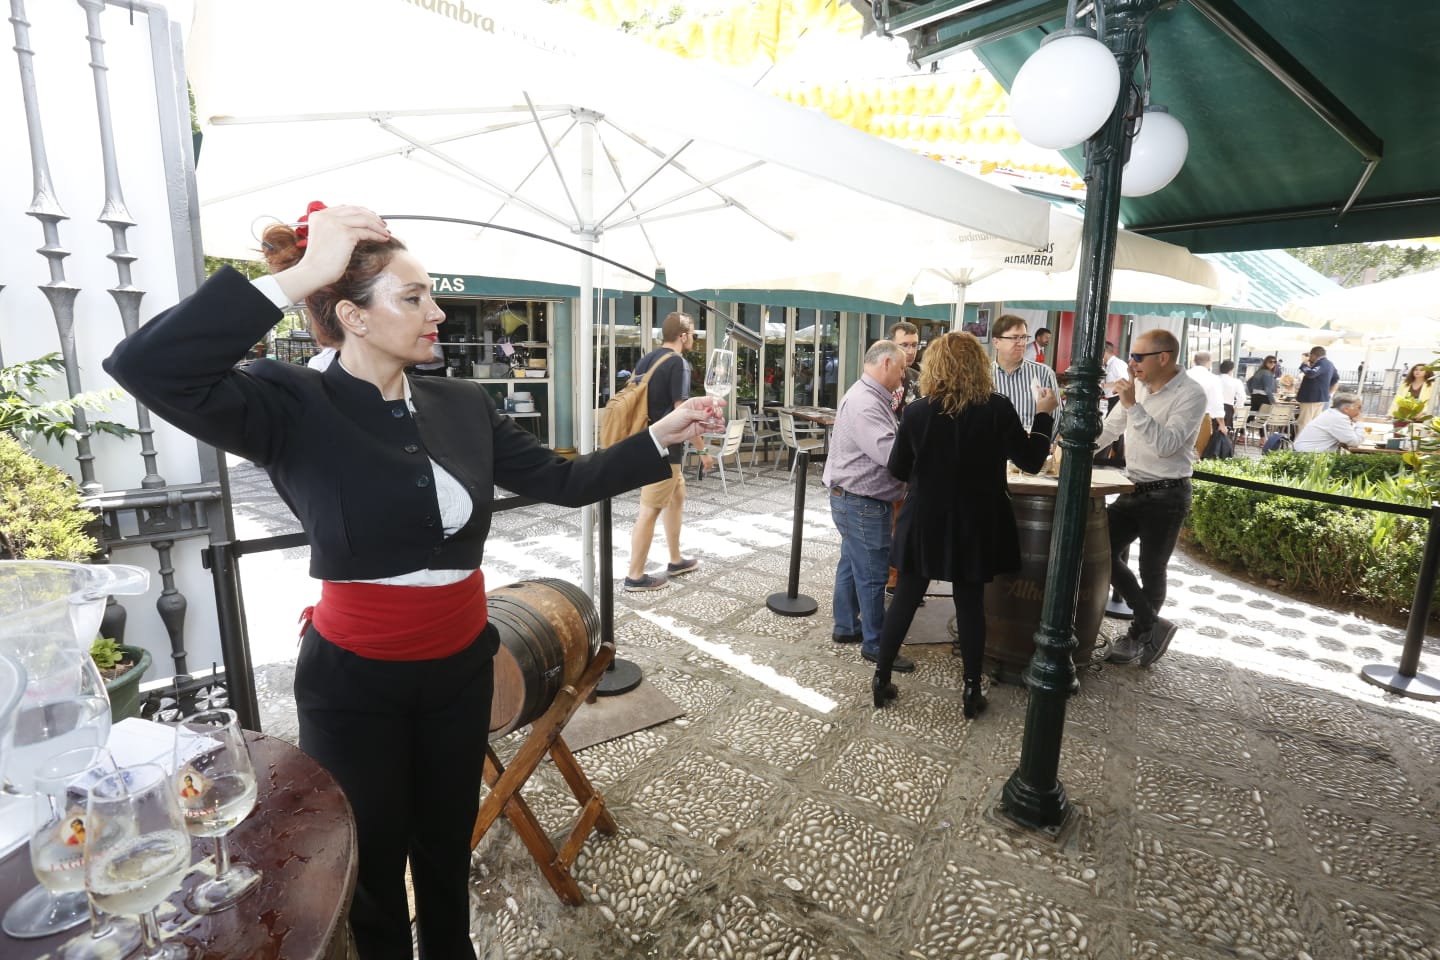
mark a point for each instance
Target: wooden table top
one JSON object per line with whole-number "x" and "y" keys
{"x": 301, "y": 836}
{"x": 1103, "y": 482}
{"x": 825, "y": 416}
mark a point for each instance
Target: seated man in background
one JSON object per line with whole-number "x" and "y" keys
{"x": 1338, "y": 428}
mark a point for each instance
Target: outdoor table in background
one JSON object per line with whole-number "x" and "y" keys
{"x": 1012, "y": 601}
{"x": 301, "y": 836}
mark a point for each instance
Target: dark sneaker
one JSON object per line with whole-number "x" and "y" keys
{"x": 685, "y": 565}
{"x": 646, "y": 582}
{"x": 1157, "y": 641}
{"x": 902, "y": 664}
{"x": 1125, "y": 650}
{"x": 846, "y": 637}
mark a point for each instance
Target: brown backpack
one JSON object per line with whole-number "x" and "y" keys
{"x": 628, "y": 412}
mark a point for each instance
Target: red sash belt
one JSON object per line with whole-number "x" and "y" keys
{"x": 382, "y": 621}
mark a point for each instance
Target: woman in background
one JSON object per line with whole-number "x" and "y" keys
{"x": 391, "y": 477}
{"x": 1262, "y": 385}
{"x": 1419, "y": 386}
{"x": 957, "y": 523}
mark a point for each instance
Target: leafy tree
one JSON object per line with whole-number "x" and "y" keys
{"x": 25, "y": 414}
{"x": 1346, "y": 263}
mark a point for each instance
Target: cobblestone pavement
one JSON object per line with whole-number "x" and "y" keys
{"x": 1248, "y": 796}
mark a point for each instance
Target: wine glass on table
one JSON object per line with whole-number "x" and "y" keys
{"x": 215, "y": 781}
{"x": 64, "y": 707}
{"x": 57, "y": 848}
{"x": 136, "y": 850}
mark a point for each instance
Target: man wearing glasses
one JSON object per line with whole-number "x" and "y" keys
{"x": 906, "y": 336}
{"x": 1018, "y": 379}
{"x": 1159, "y": 415}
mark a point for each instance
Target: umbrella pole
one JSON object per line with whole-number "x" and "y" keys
{"x": 1033, "y": 797}
{"x": 957, "y": 318}
{"x": 585, "y": 385}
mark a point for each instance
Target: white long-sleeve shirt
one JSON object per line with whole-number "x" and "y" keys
{"x": 1328, "y": 432}
{"x": 1160, "y": 429}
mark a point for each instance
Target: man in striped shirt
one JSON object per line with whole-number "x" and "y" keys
{"x": 1015, "y": 377}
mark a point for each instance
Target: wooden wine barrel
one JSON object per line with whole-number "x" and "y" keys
{"x": 1012, "y": 601}
{"x": 547, "y": 629}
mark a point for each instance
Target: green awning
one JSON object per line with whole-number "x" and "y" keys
{"x": 1264, "y": 171}
{"x": 1273, "y": 278}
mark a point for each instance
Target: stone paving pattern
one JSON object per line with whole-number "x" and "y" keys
{"x": 1248, "y": 796}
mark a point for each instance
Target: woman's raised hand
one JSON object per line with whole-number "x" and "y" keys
{"x": 689, "y": 420}
{"x": 333, "y": 234}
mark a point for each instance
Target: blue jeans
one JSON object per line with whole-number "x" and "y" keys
{"x": 859, "y": 602}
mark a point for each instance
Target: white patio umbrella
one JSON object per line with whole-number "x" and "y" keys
{"x": 532, "y": 118}
{"x": 978, "y": 267}
{"x": 1408, "y": 305}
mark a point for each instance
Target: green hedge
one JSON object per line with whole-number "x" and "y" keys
{"x": 1343, "y": 554}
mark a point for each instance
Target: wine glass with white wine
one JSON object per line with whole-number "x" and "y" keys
{"x": 57, "y": 849}
{"x": 215, "y": 781}
{"x": 136, "y": 850}
{"x": 64, "y": 706}
{"x": 720, "y": 373}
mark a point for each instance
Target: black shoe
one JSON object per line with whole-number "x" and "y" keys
{"x": 902, "y": 664}
{"x": 1157, "y": 641}
{"x": 973, "y": 700}
{"x": 882, "y": 693}
{"x": 846, "y": 637}
{"x": 1125, "y": 650}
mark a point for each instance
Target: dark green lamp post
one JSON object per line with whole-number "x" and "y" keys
{"x": 1034, "y": 796}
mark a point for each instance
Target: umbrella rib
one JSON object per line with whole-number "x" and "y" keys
{"x": 508, "y": 195}
{"x": 654, "y": 172}
{"x": 424, "y": 147}
{"x": 729, "y": 200}
{"x": 629, "y": 194}
{"x": 725, "y": 202}
{"x": 555, "y": 162}
{"x": 330, "y": 168}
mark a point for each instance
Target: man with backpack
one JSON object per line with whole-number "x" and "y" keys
{"x": 668, "y": 387}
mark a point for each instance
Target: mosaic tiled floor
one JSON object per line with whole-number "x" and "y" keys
{"x": 1246, "y": 797}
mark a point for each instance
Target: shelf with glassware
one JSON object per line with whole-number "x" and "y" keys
{"x": 502, "y": 345}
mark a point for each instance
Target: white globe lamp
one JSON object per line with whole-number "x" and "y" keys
{"x": 1065, "y": 91}
{"x": 1156, "y": 154}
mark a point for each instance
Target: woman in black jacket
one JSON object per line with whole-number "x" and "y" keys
{"x": 392, "y": 478}
{"x": 957, "y": 524}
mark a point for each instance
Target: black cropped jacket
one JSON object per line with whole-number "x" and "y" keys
{"x": 354, "y": 467}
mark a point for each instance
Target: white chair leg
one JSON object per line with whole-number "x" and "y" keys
{"x": 724, "y": 487}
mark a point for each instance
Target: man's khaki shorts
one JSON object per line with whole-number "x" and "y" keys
{"x": 657, "y": 495}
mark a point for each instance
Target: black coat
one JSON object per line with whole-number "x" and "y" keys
{"x": 352, "y": 465}
{"x": 957, "y": 523}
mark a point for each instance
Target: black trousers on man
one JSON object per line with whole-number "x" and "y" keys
{"x": 406, "y": 740}
{"x": 1154, "y": 518}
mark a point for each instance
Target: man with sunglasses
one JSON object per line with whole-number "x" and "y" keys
{"x": 1159, "y": 415}
{"x": 1017, "y": 379}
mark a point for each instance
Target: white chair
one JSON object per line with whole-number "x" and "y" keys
{"x": 1256, "y": 422}
{"x": 730, "y": 447}
{"x": 1282, "y": 420}
{"x": 799, "y": 440}
{"x": 759, "y": 430}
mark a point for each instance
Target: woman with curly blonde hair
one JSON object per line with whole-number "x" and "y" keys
{"x": 957, "y": 524}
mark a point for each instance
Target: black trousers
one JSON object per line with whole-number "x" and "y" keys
{"x": 406, "y": 741}
{"x": 969, "y": 622}
{"x": 1154, "y": 518}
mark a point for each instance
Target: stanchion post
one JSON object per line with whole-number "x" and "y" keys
{"x": 792, "y": 603}
{"x": 1405, "y": 680}
{"x": 621, "y": 676}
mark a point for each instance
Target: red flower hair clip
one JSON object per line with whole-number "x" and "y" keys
{"x": 302, "y": 229}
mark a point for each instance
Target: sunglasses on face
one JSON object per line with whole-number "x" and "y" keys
{"x": 1137, "y": 357}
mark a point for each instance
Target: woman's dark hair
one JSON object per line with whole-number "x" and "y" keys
{"x": 1429, "y": 374}
{"x": 367, "y": 262}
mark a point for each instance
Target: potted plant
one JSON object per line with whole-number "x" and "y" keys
{"x": 122, "y": 668}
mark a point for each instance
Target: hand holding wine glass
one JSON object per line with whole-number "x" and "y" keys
{"x": 215, "y": 781}
{"x": 136, "y": 849}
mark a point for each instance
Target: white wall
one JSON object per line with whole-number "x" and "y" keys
{"x": 70, "y": 125}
